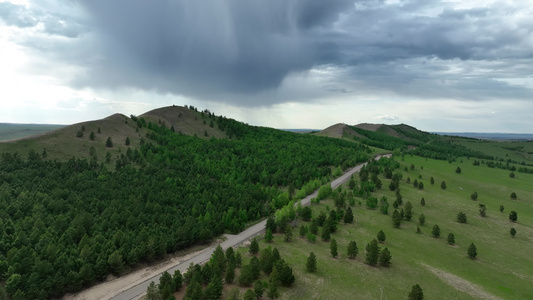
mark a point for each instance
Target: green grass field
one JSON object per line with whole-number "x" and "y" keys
{"x": 517, "y": 151}
{"x": 502, "y": 270}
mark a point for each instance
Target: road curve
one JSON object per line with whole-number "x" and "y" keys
{"x": 138, "y": 290}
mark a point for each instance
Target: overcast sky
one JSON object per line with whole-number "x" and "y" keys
{"x": 437, "y": 65}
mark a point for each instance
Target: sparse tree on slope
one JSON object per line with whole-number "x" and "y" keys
{"x": 436, "y": 231}
{"x": 311, "y": 263}
{"x": 472, "y": 251}
{"x": 416, "y": 293}
{"x": 385, "y": 258}
{"x": 352, "y": 250}
{"x": 333, "y": 248}
{"x": 372, "y": 252}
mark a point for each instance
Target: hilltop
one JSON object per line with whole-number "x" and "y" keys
{"x": 75, "y": 140}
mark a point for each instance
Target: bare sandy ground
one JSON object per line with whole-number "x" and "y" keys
{"x": 107, "y": 289}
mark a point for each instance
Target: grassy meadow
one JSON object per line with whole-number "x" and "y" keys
{"x": 502, "y": 270}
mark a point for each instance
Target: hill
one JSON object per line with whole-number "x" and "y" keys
{"x": 81, "y": 210}
{"x": 75, "y": 140}
{"x": 339, "y": 130}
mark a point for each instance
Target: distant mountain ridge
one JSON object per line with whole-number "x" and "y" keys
{"x": 491, "y": 135}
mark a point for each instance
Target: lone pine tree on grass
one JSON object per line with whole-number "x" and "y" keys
{"x": 416, "y": 293}
{"x": 333, "y": 248}
{"x": 513, "y": 232}
{"x": 311, "y": 263}
{"x": 451, "y": 239}
{"x": 436, "y": 231}
{"x": 421, "y": 219}
{"x": 513, "y": 216}
{"x": 472, "y": 251}
{"x": 461, "y": 217}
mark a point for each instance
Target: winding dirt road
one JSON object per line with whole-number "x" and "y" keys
{"x": 138, "y": 289}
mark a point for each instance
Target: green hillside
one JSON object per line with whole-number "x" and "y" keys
{"x": 500, "y": 271}
{"x": 81, "y": 210}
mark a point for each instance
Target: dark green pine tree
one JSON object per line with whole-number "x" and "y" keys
{"x": 451, "y": 239}
{"x": 333, "y": 248}
{"x": 286, "y": 276}
{"x": 416, "y": 293}
{"x": 435, "y": 232}
{"x": 326, "y": 233}
{"x": 396, "y": 219}
{"x": 352, "y": 250}
{"x": 288, "y": 234}
{"x": 303, "y": 231}
{"x": 311, "y": 263}
{"x": 177, "y": 280}
{"x": 385, "y": 258}
{"x": 214, "y": 289}
{"x": 229, "y": 277}
{"x": 472, "y": 251}
{"x": 268, "y": 236}
{"x": 372, "y": 252}
{"x": 313, "y": 228}
{"x": 255, "y": 265}
{"x": 271, "y": 224}
{"x": 348, "y": 216}
{"x": 194, "y": 291}
{"x": 408, "y": 213}
{"x": 381, "y": 236}
{"x": 246, "y": 277}
{"x": 254, "y": 247}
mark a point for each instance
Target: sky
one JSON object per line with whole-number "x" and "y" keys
{"x": 448, "y": 66}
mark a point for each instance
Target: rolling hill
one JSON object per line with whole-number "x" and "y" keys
{"x": 75, "y": 140}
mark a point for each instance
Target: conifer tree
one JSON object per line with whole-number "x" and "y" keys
{"x": 451, "y": 239}
{"x": 472, "y": 251}
{"x": 268, "y": 236}
{"x": 348, "y": 215}
{"x": 385, "y": 258}
{"x": 254, "y": 247}
{"x": 372, "y": 252}
{"x": 333, "y": 248}
{"x": 396, "y": 219}
{"x": 381, "y": 236}
{"x": 416, "y": 292}
{"x": 421, "y": 219}
{"x": 352, "y": 250}
{"x": 435, "y": 232}
{"x": 311, "y": 263}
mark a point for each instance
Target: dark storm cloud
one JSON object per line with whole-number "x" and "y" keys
{"x": 233, "y": 50}
{"x": 204, "y": 47}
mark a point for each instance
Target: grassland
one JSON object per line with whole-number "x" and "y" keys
{"x": 16, "y": 131}
{"x": 518, "y": 151}
{"x": 501, "y": 271}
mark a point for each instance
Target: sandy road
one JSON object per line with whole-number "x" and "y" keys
{"x": 138, "y": 289}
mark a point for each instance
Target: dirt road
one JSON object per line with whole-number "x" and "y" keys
{"x": 137, "y": 289}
